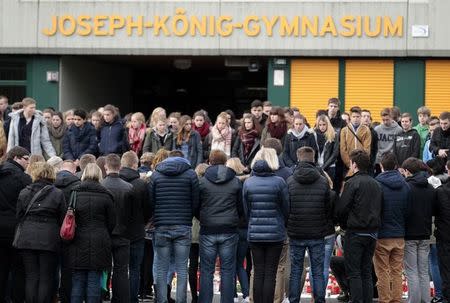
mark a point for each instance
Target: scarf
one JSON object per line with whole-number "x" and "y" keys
{"x": 221, "y": 140}
{"x": 297, "y": 134}
{"x": 57, "y": 133}
{"x": 203, "y": 131}
{"x": 248, "y": 139}
{"x": 136, "y": 138}
{"x": 277, "y": 130}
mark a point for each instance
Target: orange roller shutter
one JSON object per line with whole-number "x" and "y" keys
{"x": 313, "y": 82}
{"x": 437, "y": 86}
{"x": 370, "y": 85}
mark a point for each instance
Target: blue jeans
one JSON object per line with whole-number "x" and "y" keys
{"x": 223, "y": 245}
{"x": 434, "y": 268}
{"x": 316, "y": 250}
{"x": 86, "y": 284}
{"x": 240, "y": 256}
{"x": 174, "y": 240}
{"x": 136, "y": 255}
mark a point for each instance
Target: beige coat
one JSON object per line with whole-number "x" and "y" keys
{"x": 349, "y": 142}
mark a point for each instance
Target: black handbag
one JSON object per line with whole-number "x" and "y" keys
{"x": 19, "y": 226}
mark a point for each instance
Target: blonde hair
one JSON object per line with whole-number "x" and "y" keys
{"x": 138, "y": 116}
{"x": 28, "y": 101}
{"x": 236, "y": 165}
{"x": 129, "y": 159}
{"x": 201, "y": 169}
{"x": 330, "y": 134}
{"x": 224, "y": 116}
{"x": 92, "y": 172}
{"x": 42, "y": 171}
{"x": 157, "y": 113}
{"x": 269, "y": 155}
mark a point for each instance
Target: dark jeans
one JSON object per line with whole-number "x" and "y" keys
{"x": 337, "y": 266}
{"x": 146, "y": 280}
{"x": 65, "y": 289}
{"x": 211, "y": 246}
{"x": 434, "y": 269}
{"x": 120, "y": 280}
{"x": 241, "y": 273}
{"x": 172, "y": 240}
{"x": 86, "y": 284}
{"x": 40, "y": 269}
{"x": 136, "y": 255}
{"x": 11, "y": 263}
{"x": 316, "y": 250}
{"x": 444, "y": 266}
{"x": 193, "y": 270}
{"x": 265, "y": 262}
{"x": 359, "y": 252}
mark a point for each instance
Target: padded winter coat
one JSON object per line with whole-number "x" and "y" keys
{"x": 266, "y": 205}
{"x": 78, "y": 142}
{"x": 113, "y": 138}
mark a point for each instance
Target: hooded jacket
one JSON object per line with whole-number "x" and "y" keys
{"x": 442, "y": 219}
{"x": 153, "y": 144}
{"x": 220, "y": 200}
{"x": 294, "y": 142}
{"x": 12, "y": 179}
{"x": 140, "y": 207}
{"x": 266, "y": 204}
{"x": 66, "y": 181}
{"x": 309, "y": 201}
{"x": 40, "y": 229}
{"x": 396, "y": 195}
{"x": 421, "y": 207}
{"x": 174, "y": 192}
{"x": 80, "y": 141}
{"x": 359, "y": 208}
{"x": 113, "y": 138}
{"x": 407, "y": 144}
{"x": 39, "y": 141}
{"x": 91, "y": 247}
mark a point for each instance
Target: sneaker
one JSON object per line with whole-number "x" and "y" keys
{"x": 437, "y": 300}
{"x": 236, "y": 300}
{"x": 246, "y": 300}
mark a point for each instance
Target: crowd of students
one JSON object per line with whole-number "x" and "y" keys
{"x": 169, "y": 195}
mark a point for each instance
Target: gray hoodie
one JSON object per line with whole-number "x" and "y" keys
{"x": 386, "y": 136}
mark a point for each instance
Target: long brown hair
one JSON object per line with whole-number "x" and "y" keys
{"x": 256, "y": 125}
{"x": 183, "y": 135}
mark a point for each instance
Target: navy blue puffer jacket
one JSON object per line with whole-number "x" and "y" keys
{"x": 266, "y": 204}
{"x": 78, "y": 142}
{"x": 396, "y": 194}
{"x": 174, "y": 192}
{"x": 113, "y": 138}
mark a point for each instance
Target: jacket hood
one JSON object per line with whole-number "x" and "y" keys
{"x": 305, "y": 131}
{"x": 65, "y": 179}
{"x": 129, "y": 174}
{"x": 261, "y": 168}
{"x": 173, "y": 166}
{"x": 412, "y": 130}
{"x": 392, "y": 179}
{"x": 9, "y": 166}
{"x": 306, "y": 173}
{"x": 219, "y": 174}
{"x": 419, "y": 179}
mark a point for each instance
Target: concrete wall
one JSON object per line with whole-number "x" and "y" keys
{"x": 88, "y": 84}
{"x": 22, "y": 26}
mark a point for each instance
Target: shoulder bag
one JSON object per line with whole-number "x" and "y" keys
{"x": 67, "y": 231}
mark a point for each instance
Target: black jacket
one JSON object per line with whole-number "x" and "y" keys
{"x": 113, "y": 138}
{"x": 440, "y": 140}
{"x": 292, "y": 143}
{"x": 407, "y": 144}
{"x": 442, "y": 220}
{"x": 78, "y": 142}
{"x": 174, "y": 192}
{"x": 420, "y": 209}
{"x": 12, "y": 180}
{"x": 40, "y": 229}
{"x": 309, "y": 195}
{"x": 220, "y": 200}
{"x": 66, "y": 181}
{"x": 330, "y": 151}
{"x": 360, "y": 205}
{"x": 238, "y": 151}
{"x": 337, "y": 122}
{"x": 139, "y": 207}
{"x": 122, "y": 193}
{"x": 91, "y": 247}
